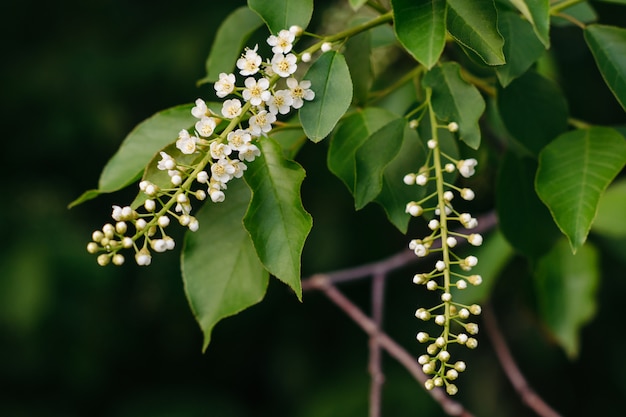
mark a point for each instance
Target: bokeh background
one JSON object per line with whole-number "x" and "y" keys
{"x": 80, "y": 340}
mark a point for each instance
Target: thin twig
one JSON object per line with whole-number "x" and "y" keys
{"x": 375, "y": 359}
{"x": 526, "y": 393}
{"x": 396, "y": 351}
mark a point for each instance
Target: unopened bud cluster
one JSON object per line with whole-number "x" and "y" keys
{"x": 453, "y": 320}
{"x": 219, "y": 153}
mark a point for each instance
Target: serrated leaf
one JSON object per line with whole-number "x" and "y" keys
{"x": 537, "y": 12}
{"x": 524, "y": 220}
{"x": 420, "y": 26}
{"x": 373, "y": 157}
{"x": 574, "y": 170}
{"x": 330, "y": 80}
{"x": 221, "y": 271}
{"x": 566, "y": 287}
{"x": 533, "y": 110}
{"x": 522, "y": 48}
{"x": 395, "y": 193}
{"x": 282, "y": 14}
{"x": 608, "y": 46}
{"x": 138, "y": 148}
{"x": 454, "y": 100}
{"x": 474, "y": 25}
{"x": 611, "y": 218}
{"x": 229, "y": 42}
{"x": 357, "y": 53}
{"x": 349, "y": 136}
{"x": 276, "y": 220}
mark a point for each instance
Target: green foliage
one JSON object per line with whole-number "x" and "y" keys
{"x": 282, "y": 14}
{"x": 537, "y": 12}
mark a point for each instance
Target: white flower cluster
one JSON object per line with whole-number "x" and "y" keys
{"x": 450, "y": 270}
{"x": 225, "y": 152}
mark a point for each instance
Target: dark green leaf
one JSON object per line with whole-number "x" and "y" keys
{"x": 221, "y": 271}
{"x": 282, "y": 14}
{"x": 608, "y": 46}
{"x": 533, "y": 110}
{"x": 454, "y": 100}
{"x": 357, "y": 53}
{"x": 574, "y": 170}
{"x": 290, "y": 140}
{"x": 537, "y": 12}
{"x": 138, "y": 148}
{"x": 611, "y": 218}
{"x": 357, "y": 4}
{"x": 349, "y": 136}
{"x": 521, "y": 46}
{"x": 229, "y": 42}
{"x": 566, "y": 287}
{"x": 276, "y": 220}
{"x": 330, "y": 80}
{"x": 373, "y": 157}
{"x": 581, "y": 12}
{"x": 474, "y": 25}
{"x": 420, "y": 26}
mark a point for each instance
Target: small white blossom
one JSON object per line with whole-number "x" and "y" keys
{"x": 449, "y": 168}
{"x": 205, "y": 126}
{"x": 240, "y": 167}
{"x": 432, "y": 144}
{"x": 222, "y": 170}
{"x": 296, "y": 30}
{"x": 466, "y": 167}
{"x": 261, "y": 122}
{"x": 219, "y": 150}
{"x": 284, "y": 65}
{"x": 225, "y": 85}
{"x": 249, "y": 152}
{"x": 414, "y": 209}
{"x": 143, "y": 257}
{"x": 249, "y": 62}
{"x": 421, "y": 179}
{"x": 203, "y": 177}
{"x": 186, "y": 143}
{"x": 326, "y": 46}
{"x": 300, "y": 91}
{"x": 467, "y": 194}
{"x": 409, "y": 179}
{"x": 283, "y": 42}
{"x": 231, "y": 108}
{"x": 306, "y": 57}
{"x": 200, "y": 110}
{"x": 256, "y": 91}
{"x": 475, "y": 239}
{"x": 433, "y": 224}
{"x": 440, "y": 265}
{"x": 238, "y": 139}
{"x": 453, "y": 126}
{"x": 280, "y": 102}
{"x": 451, "y": 241}
{"x": 166, "y": 162}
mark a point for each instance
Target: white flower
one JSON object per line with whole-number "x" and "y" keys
{"x": 421, "y": 179}
{"x": 296, "y": 30}
{"x": 186, "y": 143}
{"x": 203, "y": 177}
{"x": 280, "y": 102}
{"x": 326, "y": 46}
{"x": 282, "y": 43}
{"x": 166, "y": 162}
{"x": 249, "y": 62}
{"x": 306, "y": 57}
{"x": 240, "y": 167}
{"x": 300, "y": 91}
{"x": 284, "y": 65}
{"x": 222, "y": 170}
{"x": 217, "y": 196}
{"x": 238, "y": 139}
{"x": 231, "y": 108}
{"x": 467, "y": 194}
{"x": 249, "y": 152}
{"x": 256, "y": 91}
{"x": 200, "y": 110}
{"x": 219, "y": 150}
{"x": 143, "y": 257}
{"x": 261, "y": 122}
{"x": 409, "y": 179}
{"x": 466, "y": 167}
{"x": 475, "y": 239}
{"x": 432, "y": 144}
{"x": 205, "y": 126}
{"x": 453, "y": 126}
{"x": 414, "y": 209}
{"x": 225, "y": 85}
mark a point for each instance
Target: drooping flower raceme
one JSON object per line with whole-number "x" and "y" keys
{"x": 219, "y": 147}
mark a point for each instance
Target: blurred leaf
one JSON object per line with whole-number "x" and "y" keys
{"x": 349, "y": 136}
{"x": 474, "y": 25}
{"x": 574, "y": 170}
{"x": 420, "y": 26}
{"x": 229, "y": 41}
{"x": 608, "y": 46}
{"x": 533, "y": 110}
{"x": 494, "y": 254}
{"x": 138, "y": 148}
{"x": 537, "y": 12}
{"x": 582, "y": 12}
{"x": 290, "y": 140}
{"x": 523, "y": 218}
{"x": 566, "y": 291}
{"x": 282, "y": 14}
{"x": 221, "y": 271}
{"x": 357, "y": 4}
{"x": 521, "y": 46}
{"x": 330, "y": 80}
{"x": 372, "y": 158}
{"x": 275, "y": 218}
{"x": 610, "y": 220}
{"x": 395, "y": 193}
{"x": 357, "y": 53}
{"x": 454, "y": 100}
{"x": 612, "y": 1}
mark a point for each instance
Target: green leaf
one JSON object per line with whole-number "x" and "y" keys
{"x": 579, "y": 12}
{"x": 330, "y": 80}
{"x": 138, "y": 148}
{"x": 537, "y": 12}
{"x": 454, "y": 100}
{"x": 221, "y": 271}
{"x": 395, "y": 193}
{"x": 521, "y": 48}
{"x": 373, "y": 157}
{"x": 357, "y": 53}
{"x": 229, "y": 41}
{"x": 474, "y": 25}
{"x": 523, "y": 218}
{"x": 290, "y": 140}
{"x": 357, "y": 4}
{"x": 533, "y": 110}
{"x": 613, "y": 1}
{"x": 574, "y": 170}
{"x": 566, "y": 287}
{"x": 275, "y": 218}
{"x": 611, "y": 218}
{"x": 282, "y": 14}
{"x": 420, "y": 26}
{"x": 349, "y": 136}
{"x": 608, "y": 46}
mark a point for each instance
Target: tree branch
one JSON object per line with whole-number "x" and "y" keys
{"x": 375, "y": 359}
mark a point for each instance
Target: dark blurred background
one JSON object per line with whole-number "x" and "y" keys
{"x": 80, "y": 340}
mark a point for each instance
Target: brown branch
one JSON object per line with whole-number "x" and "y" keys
{"x": 521, "y": 386}
{"x": 322, "y": 283}
{"x": 375, "y": 359}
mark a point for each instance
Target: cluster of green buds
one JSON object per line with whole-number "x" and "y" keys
{"x": 204, "y": 160}
{"x": 449, "y": 270}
